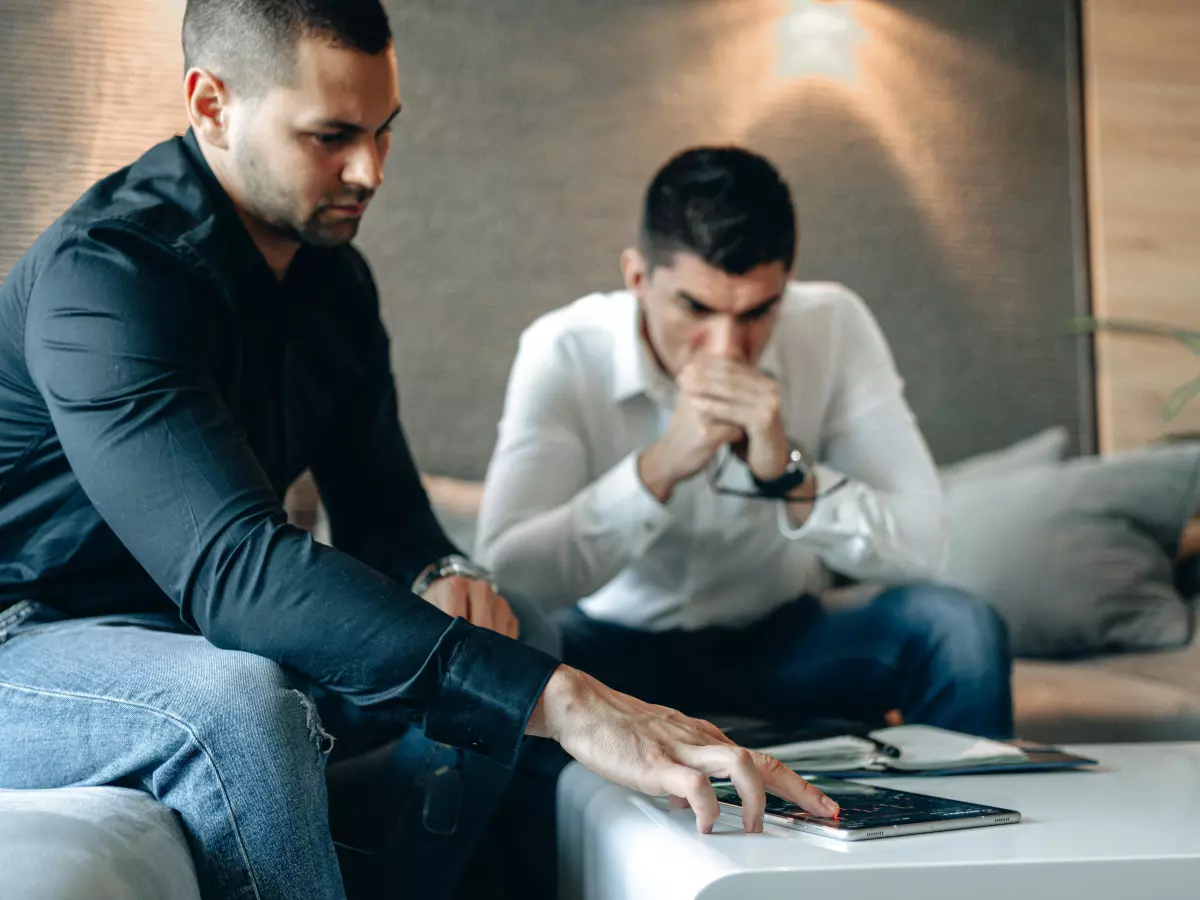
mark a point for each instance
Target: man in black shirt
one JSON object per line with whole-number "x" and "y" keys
{"x": 192, "y": 334}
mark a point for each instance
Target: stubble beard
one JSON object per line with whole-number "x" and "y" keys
{"x": 269, "y": 202}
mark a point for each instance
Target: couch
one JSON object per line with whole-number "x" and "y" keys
{"x": 93, "y": 843}
{"x": 1121, "y": 698}
{"x": 1102, "y": 699}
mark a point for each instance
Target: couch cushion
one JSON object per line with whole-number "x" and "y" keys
{"x": 1177, "y": 668}
{"x": 1079, "y": 557}
{"x": 1088, "y": 703}
{"x": 1043, "y": 448}
{"x": 99, "y": 843}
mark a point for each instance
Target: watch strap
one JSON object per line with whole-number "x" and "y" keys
{"x": 794, "y": 475}
{"x": 453, "y": 565}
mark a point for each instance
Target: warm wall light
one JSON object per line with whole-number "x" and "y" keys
{"x": 818, "y": 39}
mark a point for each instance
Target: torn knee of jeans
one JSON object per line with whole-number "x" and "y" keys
{"x": 320, "y": 737}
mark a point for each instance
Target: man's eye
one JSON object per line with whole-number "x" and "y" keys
{"x": 761, "y": 313}
{"x": 696, "y": 309}
{"x": 330, "y": 140}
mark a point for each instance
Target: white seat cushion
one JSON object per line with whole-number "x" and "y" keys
{"x": 98, "y": 843}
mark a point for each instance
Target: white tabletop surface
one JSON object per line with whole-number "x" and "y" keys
{"x": 1131, "y": 828}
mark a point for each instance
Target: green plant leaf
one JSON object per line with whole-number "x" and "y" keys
{"x": 1185, "y": 336}
{"x": 1181, "y": 397}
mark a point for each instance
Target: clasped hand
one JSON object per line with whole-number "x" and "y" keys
{"x": 721, "y": 401}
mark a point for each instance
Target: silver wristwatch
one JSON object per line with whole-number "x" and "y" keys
{"x": 452, "y": 565}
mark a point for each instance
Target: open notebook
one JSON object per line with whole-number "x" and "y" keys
{"x": 917, "y": 750}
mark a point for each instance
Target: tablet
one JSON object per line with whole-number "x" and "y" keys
{"x": 873, "y": 812}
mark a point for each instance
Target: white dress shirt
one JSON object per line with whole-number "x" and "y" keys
{"x": 566, "y": 517}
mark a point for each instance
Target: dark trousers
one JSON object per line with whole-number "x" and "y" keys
{"x": 938, "y": 655}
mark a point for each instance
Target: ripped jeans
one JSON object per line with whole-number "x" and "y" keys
{"x": 237, "y": 746}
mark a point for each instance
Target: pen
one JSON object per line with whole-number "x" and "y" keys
{"x": 885, "y": 748}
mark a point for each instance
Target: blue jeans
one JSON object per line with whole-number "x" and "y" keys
{"x": 938, "y": 655}
{"x": 239, "y": 748}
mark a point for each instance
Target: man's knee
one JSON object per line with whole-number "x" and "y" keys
{"x": 251, "y": 705}
{"x": 953, "y": 622}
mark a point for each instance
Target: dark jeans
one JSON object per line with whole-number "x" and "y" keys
{"x": 938, "y": 655}
{"x": 239, "y": 747}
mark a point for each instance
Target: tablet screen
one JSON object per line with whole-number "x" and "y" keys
{"x": 865, "y": 806}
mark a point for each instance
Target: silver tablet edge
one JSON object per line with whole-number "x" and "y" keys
{"x": 839, "y": 834}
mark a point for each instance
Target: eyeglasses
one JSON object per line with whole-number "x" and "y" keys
{"x": 714, "y": 473}
{"x": 724, "y": 455}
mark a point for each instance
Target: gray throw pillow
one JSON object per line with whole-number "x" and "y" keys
{"x": 1078, "y": 557}
{"x": 1047, "y": 446}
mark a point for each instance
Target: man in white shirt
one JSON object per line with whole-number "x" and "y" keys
{"x": 692, "y": 459}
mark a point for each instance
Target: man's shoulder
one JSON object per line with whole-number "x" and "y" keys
{"x": 156, "y": 208}
{"x": 818, "y": 310}
{"x": 145, "y": 195}
{"x": 820, "y": 297}
{"x": 142, "y": 242}
{"x": 592, "y": 324}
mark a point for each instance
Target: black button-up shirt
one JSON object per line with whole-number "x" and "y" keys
{"x": 160, "y": 388}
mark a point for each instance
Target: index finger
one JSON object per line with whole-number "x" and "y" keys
{"x": 713, "y": 731}
{"x": 702, "y": 367}
{"x": 783, "y": 782}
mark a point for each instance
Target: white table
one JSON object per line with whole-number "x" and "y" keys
{"x": 1129, "y": 830}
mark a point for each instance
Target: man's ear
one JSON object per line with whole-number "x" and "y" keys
{"x": 207, "y": 102}
{"x": 635, "y": 269}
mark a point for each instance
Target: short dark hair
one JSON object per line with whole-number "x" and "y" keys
{"x": 252, "y": 43}
{"x": 726, "y": 205}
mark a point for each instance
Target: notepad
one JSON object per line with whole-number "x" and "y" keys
{"x": 921, "y": 747}
{"x": 927, "y": 747}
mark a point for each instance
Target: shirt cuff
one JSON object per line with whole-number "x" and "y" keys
{"x": 619, "y": 503}
{"x": 488, "y": 692}
{"x": 825, "y": 520}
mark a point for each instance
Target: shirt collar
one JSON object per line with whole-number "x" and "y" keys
{"x": 636, "y": 370}
{"x": 239, "y": 247}
{"x": 771, "y": 360}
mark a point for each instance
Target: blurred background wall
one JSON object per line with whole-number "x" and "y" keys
{"x": 932, "y": 145}
{"x": 1142, "y": 80}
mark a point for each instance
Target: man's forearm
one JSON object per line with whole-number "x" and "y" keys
{"x": 869, "y": 534}
{"x": 557, "y": 556}
{"x": 801, "y": 502}
{"x": 656, "y": 475}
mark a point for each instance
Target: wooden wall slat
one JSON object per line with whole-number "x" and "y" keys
{"x": 1142, "y": 88}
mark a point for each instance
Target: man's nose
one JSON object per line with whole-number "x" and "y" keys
{"x": 364, "y": 169}
{"x": 724, "y": 339}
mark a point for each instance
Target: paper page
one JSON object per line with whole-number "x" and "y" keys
{"x": 829, "y": 754}
{"x": 927, "y": 747}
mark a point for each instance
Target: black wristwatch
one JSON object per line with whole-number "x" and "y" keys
{"x": 793, "y": 476}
